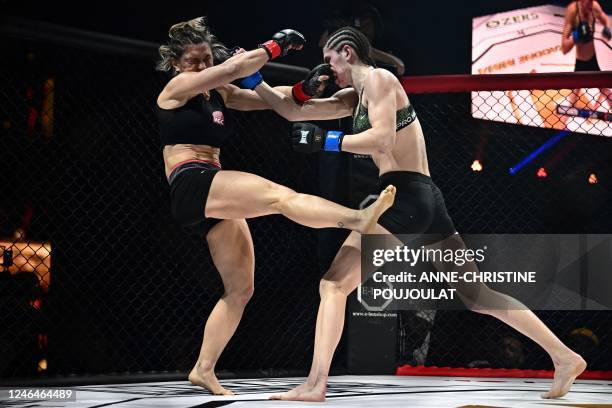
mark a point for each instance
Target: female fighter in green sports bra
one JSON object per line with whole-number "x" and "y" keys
{"x": 386, "y": 127}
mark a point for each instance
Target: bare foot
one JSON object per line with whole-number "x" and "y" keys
{"x": 370, "y": 215}
{"x": 291, "y": 393}
{"x": 303, "y": 393}
{"x": 566, "y": 372}
{"x": 209, "y": 381}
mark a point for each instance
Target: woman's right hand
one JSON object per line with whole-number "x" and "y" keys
{"x": 282, "y": 42}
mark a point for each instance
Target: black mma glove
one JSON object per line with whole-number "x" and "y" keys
{"x": 282, "y": 42}
{"x": 311, "y": 86}
{"x": 309, "y": 138}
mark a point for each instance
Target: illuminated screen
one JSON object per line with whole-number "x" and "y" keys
{"x": 529, "y": 41}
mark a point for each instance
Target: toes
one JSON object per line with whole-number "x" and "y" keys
{"x": 552, "y": 394}
{"x": 390, "y": 189}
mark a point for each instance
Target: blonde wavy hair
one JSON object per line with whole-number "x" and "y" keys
{"x": 195, "y": 31}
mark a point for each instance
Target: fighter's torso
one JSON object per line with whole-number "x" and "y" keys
{"x": 584, "y": 20}
{"x": 408, "y": 152}
{"x": 194, "y": 131}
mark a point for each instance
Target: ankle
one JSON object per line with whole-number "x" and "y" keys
{"x": 311, "y": 381}
{"x": 204, "y": 367}
{"x": 320, "y": 381}
{"x": 565, "y": 356}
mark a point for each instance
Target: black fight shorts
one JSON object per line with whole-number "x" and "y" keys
{"x": 189, "y": 187}
{"x": 418, "y": 209}
{"x": 586, "y": 66}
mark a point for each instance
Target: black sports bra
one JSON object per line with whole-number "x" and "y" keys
{"x": 361, "y": 122}
{"x": 585, "y": 26}
{"x": 199, "y": 121}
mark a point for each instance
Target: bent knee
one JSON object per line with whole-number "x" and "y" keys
{"x": 278, "y": 194}
{"x": 240, "y": 296}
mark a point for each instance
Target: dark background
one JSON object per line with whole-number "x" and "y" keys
{"x": 431, "y": 37}
{"x": 131, "y": 291}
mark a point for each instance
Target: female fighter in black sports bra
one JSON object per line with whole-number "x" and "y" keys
{"x": 579, "y": 31}
{"x": 213, "y": 202}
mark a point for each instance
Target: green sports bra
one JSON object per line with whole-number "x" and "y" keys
{"x": 361, "y": 122}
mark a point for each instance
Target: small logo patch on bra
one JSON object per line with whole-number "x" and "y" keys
{"x": 218, "y": 117}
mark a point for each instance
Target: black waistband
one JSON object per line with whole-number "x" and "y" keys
{"x": 589, "y": 65}
{"x": 399, "y": 178}
{"x": 189, "y": 166}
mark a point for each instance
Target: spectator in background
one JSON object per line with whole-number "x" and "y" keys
{"x": 579, "y": 31}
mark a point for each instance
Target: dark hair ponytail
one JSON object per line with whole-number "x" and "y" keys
{"x": 355, "y": 39}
